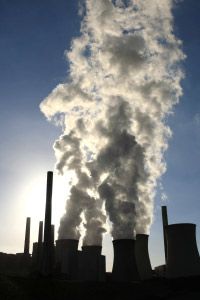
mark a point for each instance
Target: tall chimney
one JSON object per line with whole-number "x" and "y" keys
{"x": 47, "y": 245}
{"x": 40, "y": 233}
{"x": 165, "y": 224}
{"x": 40, "y": 245}
{"x": 53, "y": 245}
{"x": 47, "y": 224}
{"x": 27, "y": 236}
{"x": 52, "y": 234}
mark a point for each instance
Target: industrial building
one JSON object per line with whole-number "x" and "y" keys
{"x": 63, "y": 259}
{"x": 181, "y": 252}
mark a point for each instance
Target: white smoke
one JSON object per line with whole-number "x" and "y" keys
{"x": 124, "y": 80}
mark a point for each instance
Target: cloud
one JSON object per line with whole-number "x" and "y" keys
{"x": 124, "y": 79}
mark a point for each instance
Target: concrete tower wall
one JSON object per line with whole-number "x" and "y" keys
{"x": 67, "y": 258}
{"x": 40, "y": 246}
{"x": 124, "y": 265}
{"x": 37, "y": 253}
{"x": 142, "y": 257}
{"x": 53, "y": 244}
{"x": 91, "y": 264}
{"x": 52, "y": 234}
{"x": 182, "y": 253}
{"x": 27, "y": 236}
{"x": 102, "y": 268}
{"x": 47, "y": 244}
{"x": 34, "y": 261}
{"x": 165, "y": 223}
{"x": 40, "y": 232}
{"x": 47, "y": 224}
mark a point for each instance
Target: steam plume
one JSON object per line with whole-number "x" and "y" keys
{"x": 124, "y": 80}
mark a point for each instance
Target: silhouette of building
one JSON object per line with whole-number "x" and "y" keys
{"x": 47, "y": 260}
{"x": 124, "y": 265}
{"x": 182, "y": 253}
{"x": 165, "y": 223}
{"x": 66, "y": 258}
{"x": 27, "y": 236}
{"x": 142, "y": 257}
{"x": 91, "y": 264}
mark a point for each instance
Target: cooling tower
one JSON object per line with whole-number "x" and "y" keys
{"x": 91, "y": 250}
{"x": 27, "y": 236}
{"x": 124, "y": 265}
{"x": 67, "y": 258}
{"x": 182, "y": 252}
{"x": 91, "y": 264}
{"x": 142, "y": 257}
{"x": 165, "y": 223}
{"x": 47, "y": 245}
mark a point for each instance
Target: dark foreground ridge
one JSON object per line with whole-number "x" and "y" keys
{"x": 52, "y": 289}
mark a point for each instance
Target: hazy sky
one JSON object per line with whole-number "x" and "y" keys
{"x": 33, "y": 38}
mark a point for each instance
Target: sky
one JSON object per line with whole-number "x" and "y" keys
{"x": 33, "y": 38}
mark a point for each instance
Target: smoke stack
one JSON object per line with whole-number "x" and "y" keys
{"x": 182, "y": 253}
{"x": 40, "y": 233}
{"x": 52, "y": 234}
{"x": 27, "y": 236}
{"x": 165, "y": 223}
{"x": 91, "y": 264}
{"x": 39, "y": 246}
{"x": 47, "y": 224}
{"x": 34, "y": 260}
{"x": 52, "y": 244}
{"x": 66, "y": 258}
{"x": 142, "y": 256}
{"x": 124, "y": 265}
{"x": 47, "y": 245}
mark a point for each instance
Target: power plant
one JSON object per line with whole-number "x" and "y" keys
{"x": 181, "y": 252}
{"x": 62, "y": 258}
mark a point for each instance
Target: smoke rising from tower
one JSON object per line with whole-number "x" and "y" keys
{"x": 124, "y": 79}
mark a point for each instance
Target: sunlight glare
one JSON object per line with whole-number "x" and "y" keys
{"x": 34, "y": 197}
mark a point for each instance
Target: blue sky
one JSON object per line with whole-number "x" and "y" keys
{"x": 33, "y": 38}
